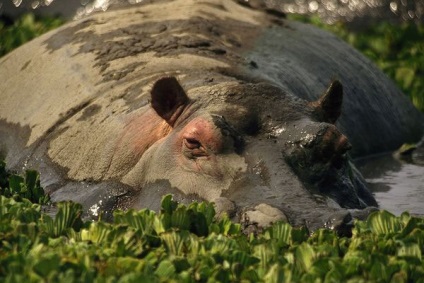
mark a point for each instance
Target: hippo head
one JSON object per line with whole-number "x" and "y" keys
{"x": 257, "y": 152}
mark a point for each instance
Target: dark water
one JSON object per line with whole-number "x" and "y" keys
{"x": 398, "y": 186}
{"x": 357, "y": 11}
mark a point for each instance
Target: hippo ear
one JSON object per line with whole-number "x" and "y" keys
{"x": 168, "y": 99}
{"x": 329, "y": 106}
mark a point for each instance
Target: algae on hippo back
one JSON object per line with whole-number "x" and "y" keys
{"x": 206, "y": 102}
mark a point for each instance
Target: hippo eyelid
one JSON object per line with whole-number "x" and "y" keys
{"x": 192, "y": 143}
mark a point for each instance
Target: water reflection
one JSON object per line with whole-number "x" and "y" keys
{"x": 397, "y": 186}
{"x": 329, "y": 10}
{"x": 349, "y": 10}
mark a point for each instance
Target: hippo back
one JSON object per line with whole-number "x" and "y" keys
{"x": 376, "y": 117}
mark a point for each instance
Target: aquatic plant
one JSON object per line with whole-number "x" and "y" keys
{"x": 189, "y": 244}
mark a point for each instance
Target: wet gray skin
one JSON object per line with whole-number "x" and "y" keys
{"x": 293, "y": 167}
{"x": 205, "y": 100}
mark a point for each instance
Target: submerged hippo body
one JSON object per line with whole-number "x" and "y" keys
{"x": 208, "y": 100}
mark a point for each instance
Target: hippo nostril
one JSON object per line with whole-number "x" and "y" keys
{"x": 343, "y": 145}
{"x": 348, "y": 146}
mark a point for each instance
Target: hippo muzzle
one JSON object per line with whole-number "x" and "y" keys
{"x": 319, "y": 156}
{"x": 301, "y": 166}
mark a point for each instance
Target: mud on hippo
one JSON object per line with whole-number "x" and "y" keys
{"x": 206, "y": 100}
{"x": 255, "y": 151}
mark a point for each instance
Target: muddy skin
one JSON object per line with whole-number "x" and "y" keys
{"x": 244, "y": 146}
{"x": 206, "y": 100}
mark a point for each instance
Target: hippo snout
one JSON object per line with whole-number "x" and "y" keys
{"x": 332, "y": 146}
{"x": 339, "y": 142}
{"x": 324, "y": 142}
{"x": 320, "y": 148}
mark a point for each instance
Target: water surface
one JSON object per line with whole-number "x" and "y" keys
{"x": 398, "y": 186}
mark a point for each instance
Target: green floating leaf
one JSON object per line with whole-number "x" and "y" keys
{"x": 23, "y": 187}
{"x": 206, "y": 209}
{"x": 46, "y": 265}
{"x": 181, "y": 264}
{"x": 199, "y": 224}
{"x": 4, "y": 176}
{"x": 264, "y": 254}
{"x": 250, "y": 275}
{"x": 168, "y": 205}
{"x": 226, "y": 227}
{"x": 68, "y": 216}
{"x": 242, "y": 258}
{"x": 276, "y": 274}
{"x": 174, "y": 241}
{"x": 135, "y": 277}
{"x": 378, "y": 271}
{"x": 399, "y": 277}
{"x": 383, "y": 222}
{"x": 36, "y": 192}
{"x": 181, "y": 218}
{"x": 299, "y": 235}
{"x": 410, "y": 250}
{"x": 96, "y": 233}
{"x": 305, "y": 256}
{"x": 282, "y": 233}
{"x": 220, "y": 245}
{"x": 165, "y": 269}
{"x": 335, "y": 274}
{"x": 17, "y": 184}
{"x": 141, "y": 220}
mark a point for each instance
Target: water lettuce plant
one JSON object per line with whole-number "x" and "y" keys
{"x": 26, "y": 186}
{"x": 189, "y": 244}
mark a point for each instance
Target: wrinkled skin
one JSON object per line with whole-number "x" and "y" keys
{"x": 207, "y": 100}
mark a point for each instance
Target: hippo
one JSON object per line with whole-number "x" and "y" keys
{"x": 205, "y": 100}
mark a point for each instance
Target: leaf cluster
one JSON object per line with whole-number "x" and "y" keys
{"x": 188, "y": 244}
{"x": 18, "y": 187}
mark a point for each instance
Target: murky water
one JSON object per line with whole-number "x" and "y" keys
{"x": 397, "y": 186}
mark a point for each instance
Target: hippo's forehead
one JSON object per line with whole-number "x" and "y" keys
{"x": 251, "y": 108}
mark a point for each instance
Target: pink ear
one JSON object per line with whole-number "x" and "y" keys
{"x": 329, "y": 105}
{"x": 168, "y": 99}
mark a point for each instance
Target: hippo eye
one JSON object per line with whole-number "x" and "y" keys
{"x": 193, "y": 148}
{"x": 192, "y": 143}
